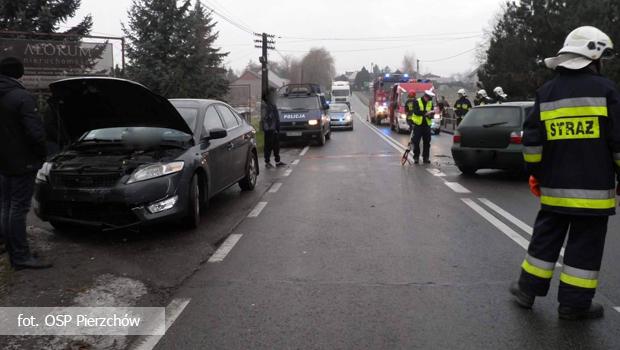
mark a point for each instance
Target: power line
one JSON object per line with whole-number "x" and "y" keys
{"x": 379, "y": 38}
{"x": 449, "y": 57}
{"x": 228, "y": 19}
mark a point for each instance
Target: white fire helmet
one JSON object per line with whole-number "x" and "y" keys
{"x": 582, "y": 46}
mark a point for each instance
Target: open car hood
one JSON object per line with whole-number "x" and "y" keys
{"x": 89, "y": 103}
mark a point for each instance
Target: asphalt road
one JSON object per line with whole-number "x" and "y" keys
{"x": 355, "y": 251}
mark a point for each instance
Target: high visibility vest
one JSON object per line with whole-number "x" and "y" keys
{"x": 417, "y": 119}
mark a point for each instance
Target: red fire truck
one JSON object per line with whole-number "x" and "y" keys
{"x": 380, "y": 104}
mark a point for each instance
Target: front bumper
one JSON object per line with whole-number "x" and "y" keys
{"x": 341, "y": 124}
{"x": 110, "y": 208}
{"x": 510, "y": 158}
{"x": 293, "y": 134}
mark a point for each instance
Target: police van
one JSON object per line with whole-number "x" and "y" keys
{"x": 303, "y": 113}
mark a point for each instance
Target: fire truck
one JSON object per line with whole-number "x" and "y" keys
{"x": 380, "y": 104}
{"x": 399, "y": 95}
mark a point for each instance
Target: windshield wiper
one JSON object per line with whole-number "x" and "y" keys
{"x": 95, "y": 140}
{"x": 493, "y": 124}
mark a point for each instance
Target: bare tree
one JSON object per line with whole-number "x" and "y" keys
{"x": 317, "y": 67}
{"x": 408, "y": 64}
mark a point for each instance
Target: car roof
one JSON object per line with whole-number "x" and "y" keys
{"x": 193, "y": 102}
{"x": 509, "y": 104}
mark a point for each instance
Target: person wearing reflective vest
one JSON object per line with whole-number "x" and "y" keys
{"x": 572, "y": 151}
{"x": 461, "y": 106}
{"x": 421, "y": 120}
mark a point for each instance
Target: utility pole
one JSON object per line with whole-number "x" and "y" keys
{"x": 418, "y": 69}
{"x": 265, "y": 43}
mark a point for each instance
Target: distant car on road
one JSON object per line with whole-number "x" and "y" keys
{"x": 138, "y": 158}
{"x": 303, "y": 113}
{"x": 341, "y": 117}
{"x": 490, "y": 137}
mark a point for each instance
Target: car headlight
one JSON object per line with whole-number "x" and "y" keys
{"x": 155, "y": 170}
{"x": 313, "y": 122}
{"x": 347, "y": 117}
{"x": 43, "y": 173}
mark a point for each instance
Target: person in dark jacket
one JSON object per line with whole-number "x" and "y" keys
{"x": 461, "y": 106}
{"x": 270, "y": 124}
{"x": 22, "y": 152}
{"x": 572, "y": 150}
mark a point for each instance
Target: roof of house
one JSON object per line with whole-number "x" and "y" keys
{"x": 274, "y": 79}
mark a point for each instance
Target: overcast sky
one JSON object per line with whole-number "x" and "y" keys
{"x": 433, "y": 30}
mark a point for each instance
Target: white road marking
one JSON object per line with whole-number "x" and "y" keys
{"x": 304, "y": 151}
{"x": 221, "y": 252}
{"x": 257, "y": 209}
{"x": 496, "y": 208}
{"x": 295, "y": 162}
{"x": 387, "y": 139}
{"x": 173, "y": 311}
{"x": 524, "y": 243}
{"x": 617, "y": 308}
{"x": 275, "y": 187}
{"x": 435, "y": 172}
{"x": 457, "y": 187}
{"x": 287, "y": 173}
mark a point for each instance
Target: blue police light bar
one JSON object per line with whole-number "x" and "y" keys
{"x": 387, "y": 75}
{"x": 406, "y": 75}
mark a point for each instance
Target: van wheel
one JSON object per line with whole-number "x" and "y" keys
{"x": 466, "y": 170}
{"x": 328, "y": 136}
{"x": 251, "y": 174}
{"x": 322, "y": 139}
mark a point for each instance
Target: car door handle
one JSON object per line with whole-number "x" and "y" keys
{"x": 230, "y": 146}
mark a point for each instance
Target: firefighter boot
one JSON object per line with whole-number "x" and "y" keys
{"x": 595, "y": 310}
{"x": 524, "y": 300}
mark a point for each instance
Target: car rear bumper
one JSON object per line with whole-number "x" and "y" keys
{"x": 111, "y": 208}
{"x": 489, "y": 158}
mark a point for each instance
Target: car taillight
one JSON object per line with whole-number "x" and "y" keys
{"x": 456, "y": 138}
{"x": 516, "y": 137}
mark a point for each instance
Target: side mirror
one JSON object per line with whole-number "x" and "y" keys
{"x": 352, "y": 112}
{"x": 215, "y": 134}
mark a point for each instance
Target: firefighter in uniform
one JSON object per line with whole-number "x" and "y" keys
{"x": 462, "y": 106}
{"x": 572, "y": 151}
{"x": 423, "y": 111}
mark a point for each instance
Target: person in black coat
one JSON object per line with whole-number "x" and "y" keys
{"x": 22, "y": 153}
{"x": 270, "y": 124}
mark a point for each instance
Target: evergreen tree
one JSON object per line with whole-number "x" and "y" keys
{"x": 362, "y": 77}
{"x": 172, "y": 51}
{"x": 531, "y": 30}
{"x": 199, "y": 64}
{"x": 42, "y": 16}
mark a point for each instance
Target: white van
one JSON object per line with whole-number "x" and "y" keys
{"x": 341, "y": 92}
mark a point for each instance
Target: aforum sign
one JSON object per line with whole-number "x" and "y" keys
{"x": 46, "y": 61}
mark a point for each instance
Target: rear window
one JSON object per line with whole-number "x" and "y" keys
{"x": 504, "y": 116}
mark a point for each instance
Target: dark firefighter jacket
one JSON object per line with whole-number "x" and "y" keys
{"x": 22, "y": 135}
{"x": 462, "y": 106}
{"x": 572, "y": 143}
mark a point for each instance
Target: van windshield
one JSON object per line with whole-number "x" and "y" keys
{"x": 297, "y": 103}
{"x": 340, "y": 92}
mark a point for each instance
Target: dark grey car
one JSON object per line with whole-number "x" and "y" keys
{"x": 489, "y": 137}
{"x": 137, "y": 158}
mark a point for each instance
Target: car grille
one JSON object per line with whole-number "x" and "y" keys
{"x": 84, "y": 180}
{"x": 110, "y": 213}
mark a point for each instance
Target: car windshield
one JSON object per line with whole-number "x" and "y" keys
{"x": 338, "y": 108}
{"x": 493, "y": 116}
{"x": 340, "y": 92}
{"x": 137, "y": 136}
{"x": 190, "y": 115}
{"x": 293, "y": 103}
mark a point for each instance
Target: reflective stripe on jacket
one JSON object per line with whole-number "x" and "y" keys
{"x": 572, "y": 143}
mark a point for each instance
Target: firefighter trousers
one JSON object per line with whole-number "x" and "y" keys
{"x": 421, "y": 132}
{"x": 582, "y": 256}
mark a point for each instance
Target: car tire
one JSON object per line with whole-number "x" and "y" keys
{"x": 248, "y": 183}
{"x": 192, "y": 218}
{"x": 466, "y": 170}
{"x": 328, "y": 136}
